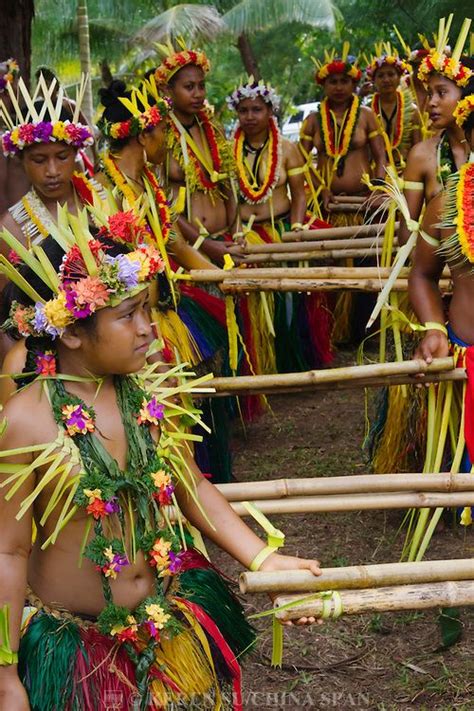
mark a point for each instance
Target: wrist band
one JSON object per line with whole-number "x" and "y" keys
{"x": 297, "y": 226}
{"x": 275, "y": 537}
{"x": 435, "y": 326}
{"x": 7, "y": 655}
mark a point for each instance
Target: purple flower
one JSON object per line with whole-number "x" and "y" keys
{"x": 43, "y": 131}
{"x": 119, "y": 561}
{"x": 41, "y": 323}
{"x": 175, "y": 562}
{"x": 9, "y": 147}
{"x": 112, "y": 506}
{"x": 155, "y": 409}
{"x": 151, "y": 627}
{"x": 127, "y": 271}
{"x": 82, "y": 311}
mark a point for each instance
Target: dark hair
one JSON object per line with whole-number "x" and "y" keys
{"x": 48, "y": 75}
{"x": 149, "y": 72}
{"x": 114, "y": 110}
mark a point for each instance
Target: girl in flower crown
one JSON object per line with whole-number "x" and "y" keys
{"x": 432, "y": 161}
{"x": 120, "y": 609}
{"x": 272, "y": 198}
{"x": 393, "y": 106}
{"x": 199, "y": 156}
{"x": 448, "y": 238}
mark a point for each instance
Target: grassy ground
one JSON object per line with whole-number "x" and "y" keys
{"x": 385, "y": 662}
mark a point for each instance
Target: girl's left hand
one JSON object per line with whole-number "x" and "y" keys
{"x": 277, "y": 562}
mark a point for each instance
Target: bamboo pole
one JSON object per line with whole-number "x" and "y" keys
{"x": 337, "y": 232}
{"x": 334, "y": 375}
{"x": 385, "y": 599}
{"x": 335, "y": 503}
{"x": 345, "y": 207}
{"x": 221, "y": 390}
{"x": 358, "y": 576}
{"x": 333, "y": 254}
{"x": 310, "y": 285}
{"x": 313, "y": 246}
{"x": 354, "y": 199}
{"x": 323, "y": 272}
{"x": 350, "y": 484}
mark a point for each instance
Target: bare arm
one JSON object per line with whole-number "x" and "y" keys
{"x": 15, "y": 544}
{"x": 296, "y": 183}
{"x": 377, "y": 147}
{"x": 424, "y": 293}
{"x": 413, "y": 173}
{"x": 188, "y": 257}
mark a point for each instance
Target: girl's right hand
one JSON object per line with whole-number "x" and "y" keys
{"x": 13, "y": 696}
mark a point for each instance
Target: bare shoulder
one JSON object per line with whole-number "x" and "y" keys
{"x": 311, "y": 122}
{"x": 29, "y": 419}
{"x": 424, "y": 148}
{"x": 291, "y": 150}
{"x": 8, "y": 223}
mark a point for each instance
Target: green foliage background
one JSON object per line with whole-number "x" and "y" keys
{"x": 284, "y": 54}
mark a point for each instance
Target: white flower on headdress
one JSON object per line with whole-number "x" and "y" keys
{"x": 253, "y": 90}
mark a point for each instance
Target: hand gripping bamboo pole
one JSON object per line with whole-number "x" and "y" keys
{"x": 358, "y": 576}
{"x": 385, "y": 599}
{"x": 349, "y": 484}
{"x": 331, "y": 376}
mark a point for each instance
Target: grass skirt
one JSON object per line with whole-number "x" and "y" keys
{"x": 68, "y": 664}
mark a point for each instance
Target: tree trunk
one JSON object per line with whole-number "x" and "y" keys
{"x": 85, "y": 57}
{"x": 15, "y": 33}
{"x": 248, "y": 57}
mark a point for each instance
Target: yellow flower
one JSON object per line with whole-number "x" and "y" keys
{"x": 157, "y": 615}
{"x": 92, "y": 494}
{"x": 59, "y": 131}
{"x": 144, "y": 261}
{"x": 108, "y": 552}
{"x": 161, "y": 478}
{"x": 57, "y": 313}
{"x": 14, "y": 136}
{"x": 162, "y": 547}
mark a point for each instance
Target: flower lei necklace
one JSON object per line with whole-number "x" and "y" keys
{"x": 105, "y": 490}
{"x": 118, "y": 179}
{"x": 397, "y": 128}
{"x": 204, "y": 169}
{"x": 252, "y": 192}
{"x": 465, "y": 210}
{"x": 337, "y": 138}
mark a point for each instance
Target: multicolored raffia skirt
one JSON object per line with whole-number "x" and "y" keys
{"x": 67, "y": 664}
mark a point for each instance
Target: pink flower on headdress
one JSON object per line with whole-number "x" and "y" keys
{"x": 92, "y": 292}
{"x": 13, "y": 257}
{"x": 26, "y": 133}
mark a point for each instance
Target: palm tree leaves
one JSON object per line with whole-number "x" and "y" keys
{"x": 253, "y": 15}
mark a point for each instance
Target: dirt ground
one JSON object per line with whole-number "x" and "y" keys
{"x": 384, "y": 662}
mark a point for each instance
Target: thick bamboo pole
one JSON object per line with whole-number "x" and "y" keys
{"x": 337, "y": 232}
{"x": 221, "y": 390}
{"x": 333, "y": 254}
{"x": 351, "y": 199}
{"x": 350, "y": 484}
{"x": 386, "y": 599}
{"x": 323, "y": 272}
{"x": 313, "y": 246}
{"x": 358, "y": 576}
{"x": 308, "y": 285}
{"x": 360, "y": 502}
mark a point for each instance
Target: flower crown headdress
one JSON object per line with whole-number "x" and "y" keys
{"x": 332, "y": 64}
{"x": 464, "y": 109}
{"x": 386, "y": 54}
{"x": 31, "y": 125}
{"x": 147, "y": 109}
{"x": 12, "y": 71}
{"x": 253, "y": 90}
{"x": 174, "y": 60}
{"x": 440, "y": 61}
{"x": 88, "y": 279}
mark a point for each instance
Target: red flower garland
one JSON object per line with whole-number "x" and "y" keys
{"x": 398, "y": 133}
{"x": 271, "y": 177}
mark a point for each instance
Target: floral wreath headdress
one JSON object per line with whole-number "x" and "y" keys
{"x": 464, "y": 109}
{"x": 147, "y": 107}
{"x": 88, "y": 280}
{"x": 12, "y": 71}
{"x": 440, "y": 61}
{"x": 174, "y": 60}
{"x": 386, "y": 54}
{"x": 30, "y": 126}
{"x": 253, "y": 90}
{"x": 337, "y": 64}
